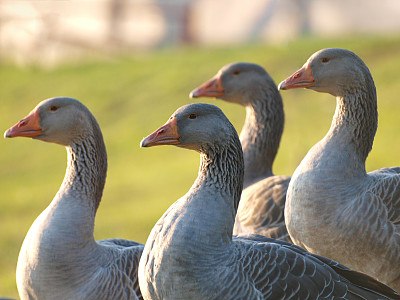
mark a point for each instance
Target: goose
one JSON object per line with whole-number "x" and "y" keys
{"x": 191, "y": 253}
{"x": 59, "y": 258}
{"x": 261, "y": 207}
{"x": 334, "y": 207}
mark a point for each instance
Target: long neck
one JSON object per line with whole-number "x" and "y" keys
{"x": 212, "y": 201}
{"x": 86, "y": 170}
{"x": 222, "y": 170}
{"x": 80, "y": 193}
{"x": 261, "y": 134}
{"x": 64, "y": 230}
{"x": 196, "y": 231}
{"x": 356, "y": 119}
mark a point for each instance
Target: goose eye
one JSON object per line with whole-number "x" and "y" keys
{"x": 324, "y": 59}
{"x": 53, "y": 107}
{"x": 192, "y": 116}
{"x": 236, "y": 72}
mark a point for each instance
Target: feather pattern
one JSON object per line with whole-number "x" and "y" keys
{"x": 59, "y": 258}
{"x": 334, "y": 207}
{"x": 191, "y": 254}
{"x": 261, "y": 209}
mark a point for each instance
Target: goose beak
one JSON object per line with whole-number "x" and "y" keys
{"x": 302, "y": 78}
{"x": 27, "y": 127}
{"x": 212, "y": 88}
{"x": 165, "y": 135}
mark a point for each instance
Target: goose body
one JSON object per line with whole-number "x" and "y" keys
{"x": 190, "y": 252}
{"x": 59, "y": 258}
{"x": 334, "y": 207}
{"x": 261, "y": 207}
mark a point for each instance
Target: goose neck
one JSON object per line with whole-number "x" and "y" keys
{"x": 86, "y": 170}
{"x": 222, "y": 170}
{"x": 356, "y": 120}
{"x": 212, "y": 201}
{"x": 261, "y": 134}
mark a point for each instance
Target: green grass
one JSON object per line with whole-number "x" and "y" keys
{"x": 132, "y": 95}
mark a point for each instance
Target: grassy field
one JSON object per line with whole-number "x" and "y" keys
{"x": 132, "y": 95}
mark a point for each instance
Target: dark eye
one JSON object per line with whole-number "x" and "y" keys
{"x": 236, "y": 72}
{"x": 324, "y": 59}
{"x": 53, "y": 107}
{"x": 192, "y": 116}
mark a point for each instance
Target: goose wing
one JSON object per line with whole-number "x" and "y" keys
{"x": 261, "y": 208}
{"x": 386, "y": 186}
{"x": 122, "y": 270}
{"x": 279, "y": 270}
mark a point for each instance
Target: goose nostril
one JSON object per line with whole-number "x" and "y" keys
{"x": 21, "y": 123}
{"x": 160, "y": 132}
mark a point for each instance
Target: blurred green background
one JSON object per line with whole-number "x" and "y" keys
{"x": 131, "y": 95}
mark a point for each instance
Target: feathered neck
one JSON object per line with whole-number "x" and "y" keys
{"x": 211, "y": 204}
{"x": 356, "y": 117}
{"x": 221, "y": 167}
{"x": 261, "y": 133}
{"x": 87, "y": 168}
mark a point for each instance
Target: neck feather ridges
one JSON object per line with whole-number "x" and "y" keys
{"x": 222, "y": 169}
{"x": 261, "y": 134}
{"x": 356, "y": 113}
{"x": 87, "y": 168}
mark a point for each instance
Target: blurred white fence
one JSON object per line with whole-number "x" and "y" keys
{"x": 48, "y": 30}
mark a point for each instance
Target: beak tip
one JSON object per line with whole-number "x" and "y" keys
{"x": 7, "y": 134}
{"x": 142, "y": 143}
{"x": 193, "y": 94}
{"x": 281, "y": 86}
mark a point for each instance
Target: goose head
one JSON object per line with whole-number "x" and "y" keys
{"x": 58, "y": 120}
{"x": 234, "y": 82}
{"x": 334, "y": 71}
{"x": 196, "y": 126}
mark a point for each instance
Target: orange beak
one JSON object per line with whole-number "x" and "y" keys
{"x": 165, "y": 135}
{"x": 212, "y": 88}
{"x": 303, "y": 78}
{"x": 27, "y": 127}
